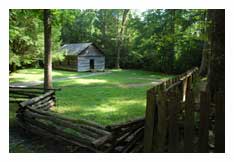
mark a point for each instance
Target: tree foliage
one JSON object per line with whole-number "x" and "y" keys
{"x": 27, "y": 39}
{"x": 169, "y": 41}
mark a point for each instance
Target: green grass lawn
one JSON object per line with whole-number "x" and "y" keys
{"x": 105, "y": 99}
{"x": 27, "y": 75}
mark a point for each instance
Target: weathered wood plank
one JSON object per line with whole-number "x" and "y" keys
{"x": 65, "y": 124}
{"x": 81, "y": 121}
{"x": 24, "y": 94}
{"x": 220, "y": 123}
{"x": 189, "y": 124}
{"x": 204, "y": 121}
{"x": 150, "y": 120}
{"x": 173, "y": 85}
{"x": 33, "y": 88}
{"x": 25, "y": 91}
{"x": 45, "y": 100}
{"x": 36, "y": 99}
{"x": 96, "y": 130}
{"x": 122, "y": 138}
{"x": 137, "y": 148}
{"x": 102, "y": 140}
{"x": 52, "y": 134}
{"x": 126, "y": 124}
{"x": 185, "y": 85}
{"x": 44, "y": 105}
{"x": 137, "y": 135}
{"x": 173, "y": 127}
{"x": 160, "y": 132}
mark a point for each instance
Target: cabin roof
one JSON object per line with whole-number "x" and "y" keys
{"x": 76, "y": 48}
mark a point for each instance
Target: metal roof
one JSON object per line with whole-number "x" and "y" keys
{"x": 75, "y": 48}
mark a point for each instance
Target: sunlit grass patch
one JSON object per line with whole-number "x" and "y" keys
{"x": 27, "y": 75}
{"x": 101, "y": 99}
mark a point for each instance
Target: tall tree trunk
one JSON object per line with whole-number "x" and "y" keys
{"x": 171, "y": 54}
{"x": 121, "y": 37}
{"x": 216, "y": 74}
{"x": 205, "y": 57}
{"x": 206, "y": 46}
{"x": 47, "y": 50}
{"x": 13, "y": 67}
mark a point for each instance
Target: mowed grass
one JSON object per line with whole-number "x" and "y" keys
{"x": 27, "y": 75}
{"x": 106, "y": 99}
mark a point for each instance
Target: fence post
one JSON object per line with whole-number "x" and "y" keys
{"x": 189, "y": 123}
{"x": 204, "y": 121}
{"x": 150, "y": 120}
{"x": 220, "y": 123}
{"x": 160, "y": 131}
{"x": 173, "y": 127}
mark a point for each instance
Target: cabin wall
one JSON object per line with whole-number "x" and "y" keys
{"x": 84, "y": 63}
{"x": 99, "y": 63}
{"x": 69, "y": 63}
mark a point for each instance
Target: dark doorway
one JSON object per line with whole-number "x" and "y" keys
{"x": 91, "y": 64}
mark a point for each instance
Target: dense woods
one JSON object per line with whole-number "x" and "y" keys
{"x": 169, "y": 41}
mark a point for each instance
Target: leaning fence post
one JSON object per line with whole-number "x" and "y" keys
{"x": 189, "y": 123}
{"x": 204, "y": 121}
{"x": 172, "y": 127}
{"x": 160, "y": 132}
{"x": 150, "y": 120}
{"x": 220, "y": 123}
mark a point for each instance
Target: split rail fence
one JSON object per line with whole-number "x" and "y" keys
{"x": 20, "y": 94}
{"x": 34, "y": 116}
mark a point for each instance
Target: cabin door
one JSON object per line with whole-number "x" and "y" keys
{"x": 91, "y": 64}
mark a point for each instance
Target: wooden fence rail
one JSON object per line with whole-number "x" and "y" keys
{"x": 20, "y": 94}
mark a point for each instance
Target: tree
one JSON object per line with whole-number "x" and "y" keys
{"x": 170, "y": 54}
{"x": 206, "y": 46}
{"x": 216, "y": 73}
{"x": 77, "y": 25}
{"x": 107, "y": 24}
{"x": 169, "y": 41}
{"x": 120, "y": 37}
{"x": 47, "y": 50}
{"x": 26, "y": 38}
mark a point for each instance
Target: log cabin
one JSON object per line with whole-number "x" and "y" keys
{"x": 81, "y": 57}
